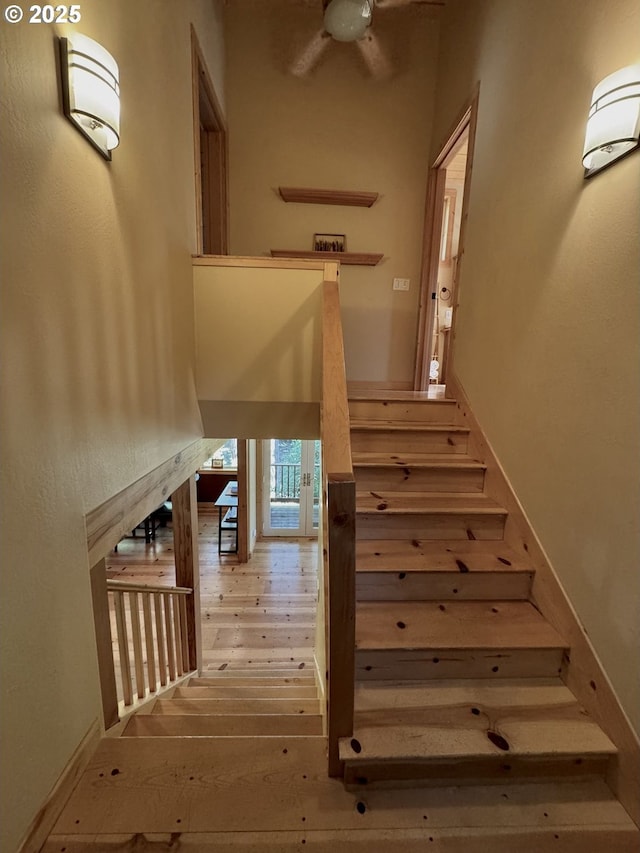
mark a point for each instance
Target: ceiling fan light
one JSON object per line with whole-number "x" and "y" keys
{"x": 347, "y": 20}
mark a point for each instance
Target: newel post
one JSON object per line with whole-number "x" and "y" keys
{"x": 185, "y": 543}
{"x": 341, "y": 539}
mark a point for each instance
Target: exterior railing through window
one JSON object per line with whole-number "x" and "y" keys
{"x": 285, "y": 481}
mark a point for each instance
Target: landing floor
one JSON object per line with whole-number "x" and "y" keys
{"x": 245, "y": 795}
{"x": 272, "y": 794}
{"x": 259, "y": 611}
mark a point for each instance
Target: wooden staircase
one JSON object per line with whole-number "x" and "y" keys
{"x": 457, "y": 672}
{"x": 234, "y": 703}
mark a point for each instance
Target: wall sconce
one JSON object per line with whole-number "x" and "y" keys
{"x": 613, "y": 127}
{"x": 347, "y": 20}
{"x": 91, "y": 91}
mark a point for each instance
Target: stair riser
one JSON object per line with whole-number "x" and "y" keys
{"x": 442, "y": 586}
{"x": 423, "y": 665}
{"x": 239, "y": 706}
{"x": 233, "y": 680}
{"x": 221, "y": 692}
{"x": 429, "y": 526}
{"x": 244, "y": 670}
{"x": 408, "y": 479}
{"x": 223, "y": 726}
{"x": 426, "y": 411}
{"x": 471, "y": 771}
{"x": 407, "y": 441}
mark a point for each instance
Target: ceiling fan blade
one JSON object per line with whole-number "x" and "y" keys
{"x": 310, "y": 55}
{"x": 374, "y": 56}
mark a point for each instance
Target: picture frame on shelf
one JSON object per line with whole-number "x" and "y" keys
{"x": 329, "y": 243}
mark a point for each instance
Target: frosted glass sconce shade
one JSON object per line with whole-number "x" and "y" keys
{"x": 347, "y": 20}
{"x": 91, "y": 91}
{"x": 613, "y": 127}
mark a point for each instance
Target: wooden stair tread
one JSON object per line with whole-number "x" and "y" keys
{"x": 231, "y": 725}
{"x": 233, "y": 680}
{"x": 241, "y": 669}
{"x": 453, "y": 625}
{"x": 423, "y": 503}
{"x": 222, "y": 691}
{"x": 236, "y": 706}
{"x": 405, "y": 426}
{"x": 372, "y": 458}
{"x": 446, "y": 555}
{"x": 398, "y": 396}
{"x": 471, "y": 719}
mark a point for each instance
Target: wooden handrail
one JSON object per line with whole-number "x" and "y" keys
{"x": 339, "y": 528}
{"x": 124, "y": 586}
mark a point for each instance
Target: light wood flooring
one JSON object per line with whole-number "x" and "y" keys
{"x": 231, "y": 793}
{"x": 257, "y": 613}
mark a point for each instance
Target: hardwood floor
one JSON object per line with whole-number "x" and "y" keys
{"x": 205, "y": 792}
{"x": 260, "y": 613}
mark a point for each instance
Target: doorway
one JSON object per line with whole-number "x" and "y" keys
{"x": 210, "y": 154}
{"x": 291, "y": 487}
{"x": 455, "y": 167}
{"x": 445, "y": 220}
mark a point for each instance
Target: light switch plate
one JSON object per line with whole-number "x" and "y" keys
{"x": 401, "y": 283}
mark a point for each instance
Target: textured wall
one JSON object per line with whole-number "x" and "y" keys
{"x": 96, "y": 350}
{"x": 336, "y": 128}
{"x": 258, "y": 334}
{"x": 548, "y": 344}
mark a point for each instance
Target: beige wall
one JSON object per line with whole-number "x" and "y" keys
{"x": 258, "y": 351}
{"x": 258, "y": 334}
{"x": 96, "y": 351}
{"x": 548, "y": 339}
{"x": 339, "y": 129}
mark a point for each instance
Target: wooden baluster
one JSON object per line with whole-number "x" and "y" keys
{"x": 162, "y": 660}
{"x": 183, "y": 633}
{"x": 169, "y": 635}
{"x": 137, "y": 644}
{"x": 177, "y": 633}
{"x": 148, "y": 639}
{"x": 123, "y": 648}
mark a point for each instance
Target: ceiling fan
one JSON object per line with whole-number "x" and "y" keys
{"x": 351, "y": 21}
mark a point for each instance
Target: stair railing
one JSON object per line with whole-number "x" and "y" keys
{"x": 338, "y": 529}
{"x": 151, "y": 632}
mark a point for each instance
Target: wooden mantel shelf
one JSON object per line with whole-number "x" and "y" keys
{"x": 365, "y": 259}
{"x": 306, "y": 195}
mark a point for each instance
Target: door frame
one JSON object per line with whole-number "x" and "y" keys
{"x": 210, "y": 144}
{"x": 467, "y": 118}
{"x": 307, "y": 466}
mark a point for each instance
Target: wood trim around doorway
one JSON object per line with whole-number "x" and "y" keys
{"x": 210, "y": 159}
{"x": 466, "y": 118}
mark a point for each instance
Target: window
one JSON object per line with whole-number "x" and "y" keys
{"x": 227, "y": 455}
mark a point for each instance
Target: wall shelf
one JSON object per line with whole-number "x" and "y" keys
{"x": 307, "y": 195}
{"x": 366, "y": 259}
